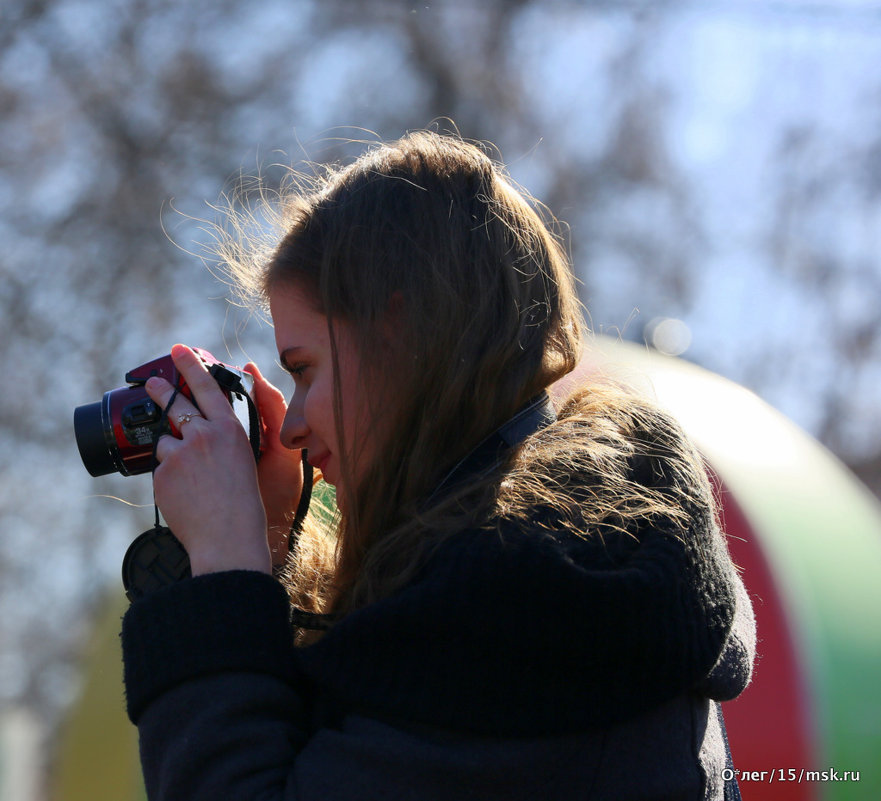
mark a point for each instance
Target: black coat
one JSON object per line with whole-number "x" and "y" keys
{"x": 526, "y": 660}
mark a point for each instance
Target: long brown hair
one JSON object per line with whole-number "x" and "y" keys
{"x": 428, "y": 237}
{"x": 429, "y": 231}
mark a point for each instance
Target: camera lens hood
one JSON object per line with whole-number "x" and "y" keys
{"x": 91, "y": 439}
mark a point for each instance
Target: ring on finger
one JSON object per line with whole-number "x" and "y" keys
{"x": 185, "y": 418}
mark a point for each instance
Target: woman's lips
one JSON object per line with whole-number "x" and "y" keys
{"x": 319, "y": 462}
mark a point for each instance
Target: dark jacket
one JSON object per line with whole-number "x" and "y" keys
{"x": 526, "y": 660}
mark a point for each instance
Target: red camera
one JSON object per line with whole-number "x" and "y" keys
{"x": 118, "y": 433}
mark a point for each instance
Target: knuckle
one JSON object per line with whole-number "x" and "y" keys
{"x": 162, "y": 447}
{"x": 160, "y": 479}
{"x": 229, "y": 427}
{"x": 169, "y": 458}
{"x": 200, "y": 436}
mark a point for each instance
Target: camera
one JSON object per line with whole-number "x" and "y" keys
{"x": 118, "y": 432}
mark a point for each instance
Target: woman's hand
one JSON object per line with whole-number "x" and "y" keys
{"x": 206, "y": 482}
{"x": 280, "y": 470}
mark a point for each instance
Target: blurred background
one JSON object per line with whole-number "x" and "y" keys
{"x": 718, "y": 163}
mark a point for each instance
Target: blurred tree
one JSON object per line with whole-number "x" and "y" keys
{"x": 823, "y": 238}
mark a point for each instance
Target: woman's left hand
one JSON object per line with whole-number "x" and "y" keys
{"x": 280, "y": 470}
{"x": 206, "y": 481}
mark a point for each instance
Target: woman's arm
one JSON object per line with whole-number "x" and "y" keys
{"x": 212, "y": 684}
{"x": 209, "y": 662}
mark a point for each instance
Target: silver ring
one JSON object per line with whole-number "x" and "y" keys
{"x": 185, "y": 418}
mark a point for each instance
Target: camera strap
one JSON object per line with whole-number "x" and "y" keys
{"x": 488, "y": 454}
{"x": 231, "y": 382}
{"x": 303, "y": 505}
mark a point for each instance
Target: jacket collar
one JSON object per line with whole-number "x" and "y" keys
{"x": 483, "y": 458}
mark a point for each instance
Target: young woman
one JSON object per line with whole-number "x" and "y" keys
{"x": 520, "y": 597}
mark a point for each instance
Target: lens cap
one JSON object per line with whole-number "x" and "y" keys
{"x": 154, "y": 560}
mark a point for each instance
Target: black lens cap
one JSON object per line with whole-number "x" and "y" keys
{"x": 154, "y": 560}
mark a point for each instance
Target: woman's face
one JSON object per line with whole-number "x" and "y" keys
{"x": 303, "y": 340}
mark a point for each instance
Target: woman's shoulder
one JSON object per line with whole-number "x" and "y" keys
{"x": 611, "y": 461}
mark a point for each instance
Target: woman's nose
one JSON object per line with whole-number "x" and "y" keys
{"x": 294, "y": 427}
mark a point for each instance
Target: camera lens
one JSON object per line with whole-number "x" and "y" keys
{"x": 91, "y": 439}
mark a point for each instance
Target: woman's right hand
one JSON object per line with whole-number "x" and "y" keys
{"x": 280, "y": 469}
